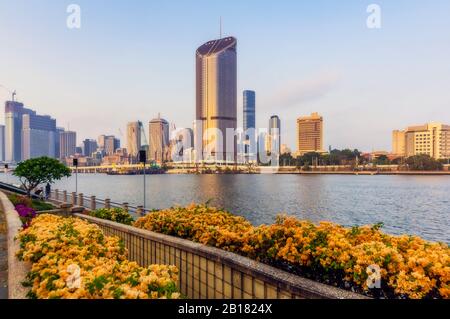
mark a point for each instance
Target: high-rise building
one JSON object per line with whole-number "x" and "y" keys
{"x": 183, "y": 145}
{"x": 38, "y": 136}
{"x": 101, "y": 143}
{"x": 275, "y": 134}
{"x": 89, "y": 147}
{"x": 2, "y": 143}
{"x": 249, "y": 124}
{"x": 431, "y": 139}
{"x": 134, "y": 138}
{"x": 79, "y": 150}
{"x": 398, "y": 142}
{"x": 59, "y": 130}
{"x": 14, "y": 112}
{"x": 108, "y": 144}
{"x": 216, "y": 95}
{"x": 68, "y": 144}
{"x": 249, "y": 110}
{"x": 310, "y": 134}
{"x": 159, "y": 139}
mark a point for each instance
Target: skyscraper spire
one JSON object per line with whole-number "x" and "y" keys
{"x": 220, "y": 35}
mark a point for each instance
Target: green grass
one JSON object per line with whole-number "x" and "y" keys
{"x": 41, "y": 206}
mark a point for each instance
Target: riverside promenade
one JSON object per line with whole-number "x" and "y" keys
{"x": 3, "y": 257}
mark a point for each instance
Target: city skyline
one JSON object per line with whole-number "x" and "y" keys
{"x": 370, "y": 85}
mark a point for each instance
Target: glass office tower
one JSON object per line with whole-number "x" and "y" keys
{"x": 216, "y": 95}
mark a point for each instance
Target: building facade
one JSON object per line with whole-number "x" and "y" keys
{"x": 89, "y": 147}
{"x": 249, "y": 108}
{"x": 59, "y": 130}
{"x": 431, "y": 139}
{"x": 216, "y": 100}
{"x": 2, "y": 143}
{"x": 14, "y": 112}
{"x": 399, "y": 142}
{"x": 38, "y": 136}
{"x": 275, "y": 135}
{"x": 310, "y": 134}
{"x": 183, "y": 146}
{"x": 108, "y": 144}
{"x": 134, "y": 132}
{"x": 68, "y": 144}
{"x": 249, "y": 125}
{"x": 158, "y": 140}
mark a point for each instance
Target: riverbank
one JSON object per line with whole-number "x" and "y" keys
{"x": 281, "y": 171}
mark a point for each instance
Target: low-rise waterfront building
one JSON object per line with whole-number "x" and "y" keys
{"x": 431, "y": 139}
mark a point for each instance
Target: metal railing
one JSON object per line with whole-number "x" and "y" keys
{"x": 93, "y": 203}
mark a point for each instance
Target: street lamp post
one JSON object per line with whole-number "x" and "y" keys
{"x": 75, "y": 164}
{"x": 143, "y": 160}
{"x": 6, "y": 173}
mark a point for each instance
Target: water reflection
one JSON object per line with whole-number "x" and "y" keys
{"x": 406, "y": 204}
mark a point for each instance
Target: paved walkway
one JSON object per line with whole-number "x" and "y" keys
{"x": 3, "y": 258}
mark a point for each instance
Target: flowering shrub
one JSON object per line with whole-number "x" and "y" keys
{"x": 17, "y": 199}
{"x": 410, "y": 267}
{"x": 26, "y": 215}
{"x": 199, "y": 223}
{"x": 73, "y": 259}
{"x": 117, "y": 215}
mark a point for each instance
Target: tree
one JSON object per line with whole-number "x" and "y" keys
{"x": 423, "y": 163}
{"x": 286, "y": 159}
{"x": 41, "y": 170}
{"x": 382, "y": 160}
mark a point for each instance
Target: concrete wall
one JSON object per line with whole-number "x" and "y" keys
{"x": 211, "y": 273}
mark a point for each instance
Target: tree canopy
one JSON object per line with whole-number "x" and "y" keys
{"x": 423, "y": 163}
{"x": 36, "y": 171}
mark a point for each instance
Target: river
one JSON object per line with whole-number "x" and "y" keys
{"x": 417, "y": 205}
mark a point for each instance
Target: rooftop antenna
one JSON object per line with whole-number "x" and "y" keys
{"x": 220, "y": 27}
{"x": 14, "y": 95}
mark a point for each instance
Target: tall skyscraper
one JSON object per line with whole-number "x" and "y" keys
{"x": 2, "y": 143}
{"x": 275, "y": 134}
{"x": 159, "y": 139}
{"x": 249, "y": 124}
{"x": 68, "y": 144}
{"x": 101, "y": 143}
{"x": 38, "y": 136}
{"x": 59, "y": 130}
{"x": 89, "y": 147}
{"x": 431, "y": 139}
{"x": 111, "y": 144}
{"x": 216, "y": 95}
{"x": 108, "y": 144}
{"x": 14, "y": 112}
{"x": 134, "y": 138}
{"x": 310, "y": 134}
{"x": 249, "y": 110}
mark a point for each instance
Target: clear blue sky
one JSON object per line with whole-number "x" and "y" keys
{"x": 133, "y": 59}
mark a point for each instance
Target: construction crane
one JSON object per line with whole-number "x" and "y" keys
{"x": 13, "y": 93}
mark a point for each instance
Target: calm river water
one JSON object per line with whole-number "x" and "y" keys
{"x": 405, "y": 204}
